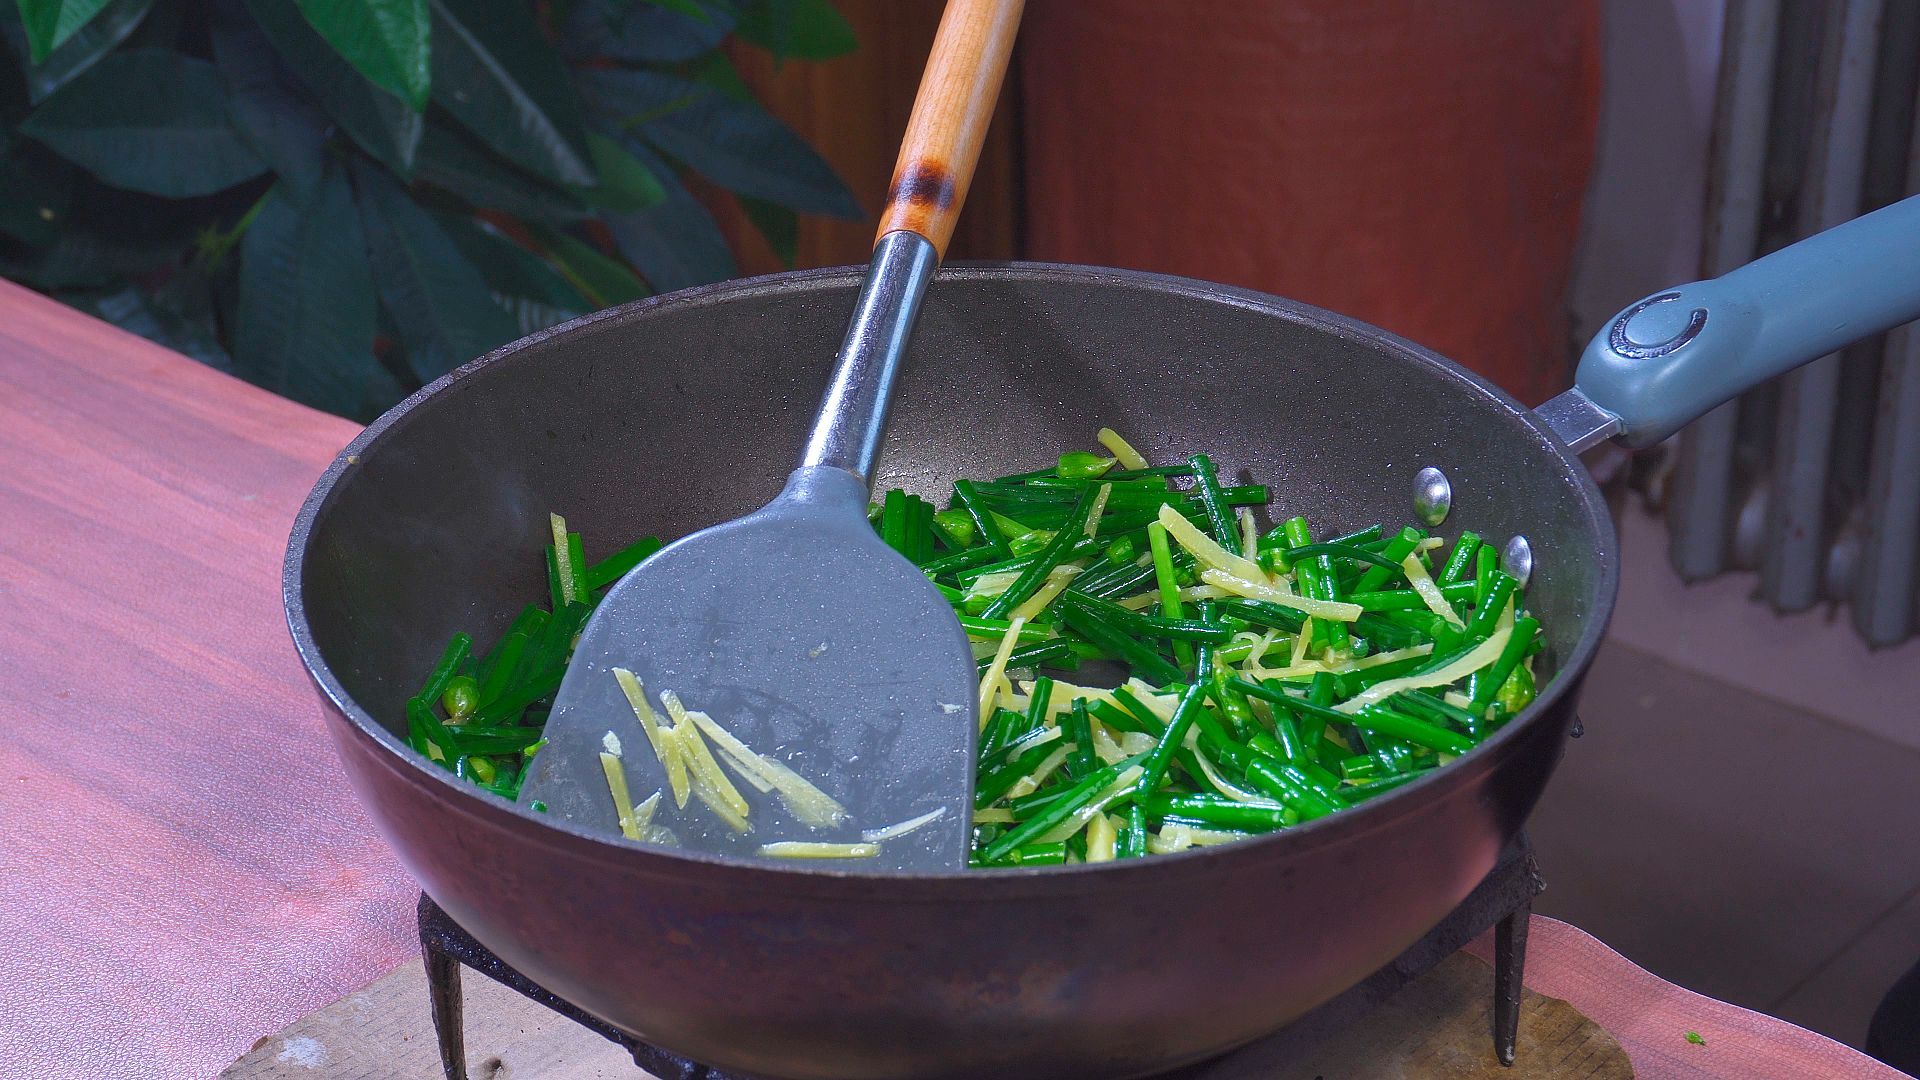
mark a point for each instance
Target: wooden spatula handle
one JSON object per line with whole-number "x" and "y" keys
{"x": 949, "y": 120}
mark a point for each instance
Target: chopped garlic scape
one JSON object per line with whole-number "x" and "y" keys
{"x": 562, "y": 558}
{"x": 1254, "y": 588}
{"x": 804, "y": 849}
{"x": 807, "y": 803}
{"x": 1205, "y": 550}
{"x": 1483, "y": 654}
{"x": 874, "y": 836}
{"x": 1122, "y": 451}
{"x": 990, "y": 682}
{"x": 622, "y": 801}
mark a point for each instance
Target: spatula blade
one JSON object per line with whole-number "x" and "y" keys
{"x": 800, "y": 632}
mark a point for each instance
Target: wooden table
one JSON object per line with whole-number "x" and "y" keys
{"x": 183, "y": 869}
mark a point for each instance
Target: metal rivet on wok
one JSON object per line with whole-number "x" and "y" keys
{"x": 1432, "y": 495}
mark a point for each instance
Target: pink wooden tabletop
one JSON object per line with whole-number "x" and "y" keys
{"x": 182, "y": 867}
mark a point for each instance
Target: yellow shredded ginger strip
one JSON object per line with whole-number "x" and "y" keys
{"x": 998, "y": 815}
{"x": 1101, "y": 839}
{"x": 1249, "y": 536}
{"x": 1122, "y": 450}
{"x": 1430, "y": 595}
{"x": 1121, "y": 785}
{"x": 1099, "y": 507}
{"x": 991, "y": 584}
{"x": 1483, "y": 654}
{"x": 997, "y": 671}
{"x": 1257, "y": 589}
{"x": 1169, "y": 839}
{"x": 1227, "y": 788}
{"x": 874, "y": 836}
{"x": 622, "y": 801}
{"x": 630, "y": 685}
{"x": 663, "y": 738}
{"x": 1204, "y": 548}
{"x": 1302, "y": 641}
{"x": 805, "y": 849}
{"x": 710, "y": 784}
{"x": 561, "y": 558}
{"x": 1057, "y": 581}
{"x": 807, "y": 803}
{"x": 1365, "y": 662}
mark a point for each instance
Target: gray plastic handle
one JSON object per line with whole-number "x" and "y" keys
{"x": 1665, "y": 361}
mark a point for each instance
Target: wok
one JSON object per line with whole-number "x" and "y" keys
{"x": 667, "y": 414}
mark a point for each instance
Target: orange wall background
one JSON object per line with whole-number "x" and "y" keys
{"x": 1419, "y": 164}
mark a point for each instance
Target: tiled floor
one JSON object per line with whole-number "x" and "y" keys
{"x": 1740, "y": 845}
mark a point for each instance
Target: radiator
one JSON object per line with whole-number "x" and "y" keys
{"x": 1814, "y": 481}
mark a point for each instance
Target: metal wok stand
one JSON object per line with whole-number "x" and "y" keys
{"x": 1502, "y": 902}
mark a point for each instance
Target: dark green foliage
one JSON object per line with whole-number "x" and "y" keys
{"x": 341, "y": 200}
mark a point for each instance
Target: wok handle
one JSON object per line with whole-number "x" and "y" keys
{"x": 949, "y": 121}
{"x": 1668, "y": 359}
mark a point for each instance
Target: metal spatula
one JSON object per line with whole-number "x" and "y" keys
{"x": 795, "y": 631}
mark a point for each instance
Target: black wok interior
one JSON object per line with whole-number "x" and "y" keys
{"x": 666, "y": 416}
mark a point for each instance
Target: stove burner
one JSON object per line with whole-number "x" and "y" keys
{"x": 1502, "y": 901}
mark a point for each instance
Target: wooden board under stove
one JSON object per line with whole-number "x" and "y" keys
{"x": 1434, "y": 1029}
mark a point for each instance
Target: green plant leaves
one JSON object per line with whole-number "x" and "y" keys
{"x": 807, "y": 29}
{"x": 734, "y": 143}
{"x": 625, "y": 183}
{"x": 452, "y": 160}
{"x": 434, "y": 296}
{"x": 494, "y": 71}
{"x": 779, "y": 226}
{"x": 148, "y": 121}
{"x": 50, "y": 23}
{"x": 640, "y": 33}
{"x": 603, "y": 281}
{"x": 388, "y": 41}
{"x": 35, "y": 207}
{"x": 675, "y": 244}
{"x": 85, "y": 48}
{"x": 273, "y": 113}
{"x": 533, "y": 291}
{"x": 306, "y": 307}
{"x": 382, "y": 124}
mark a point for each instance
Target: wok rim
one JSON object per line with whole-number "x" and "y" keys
{"x": 845, "y": 883}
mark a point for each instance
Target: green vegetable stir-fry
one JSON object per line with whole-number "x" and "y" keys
{"x": 1270, "y": 678}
